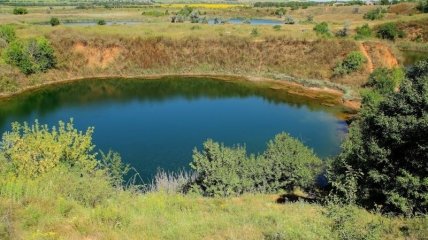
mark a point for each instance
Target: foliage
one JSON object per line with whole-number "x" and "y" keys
{"x": 285, "y": 165}
{"x": 363, "y": 32}
{"x": 20, "y": 11}
{"x": 185, "y": 11}
{"x": 35, "y": 150}
{"x": 389, "y": 31}
{"x": 280, "y": 12}
{"x": 386, "y": 80}
{"x": 34, "y": 55}
{"x": 289, "y": 20}
{"x": 277, "y": 27}
{"x": 322, "y": 29}
{"x": 254, "y": 32}
{"x": 387, "y": 148}
{"x": 101, "y": 22}
{"x": 353, "y": 62}
{"x": 54, "y": 21}
{"x": 344, "y": 32}
{"x": 375, "y": 14}
{"x": 423, "y": 6}
{"x": 7, "y": 33}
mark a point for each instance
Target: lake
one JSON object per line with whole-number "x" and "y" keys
{"x": 157, "y": 123}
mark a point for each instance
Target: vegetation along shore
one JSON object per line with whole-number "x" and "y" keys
{"x": 368, "y": 60}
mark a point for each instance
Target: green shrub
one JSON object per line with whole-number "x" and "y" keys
{"x": 375, "y": 14}
{"x": 289, "y": 20}
{"x": 54, "y": 21}
{"x": 185, "y": 11}
{"x": 322, "y": 29}
{"x": 254, "y": 32}
{"x": 34, "y": 55}
{"x": 277, "y": 27}
{"x": 343, "y": 32}
{"x": 386, "y": 148}
{"x": 7, "y": 33}
{"x": 20, "y": 11}
{"x": 389, "y": 31}
{"x": 101, "y": 22}
{"x": 286, "y": 164}
{"x": 423, "y": 6}
{"x": 34, "y": 150}
{"x": 363, "y": 32}
{"x": 353, "y": 62}
{"x": 386, "y": 80}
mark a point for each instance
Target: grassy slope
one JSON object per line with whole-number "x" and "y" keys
{"x": 164, "y": 216}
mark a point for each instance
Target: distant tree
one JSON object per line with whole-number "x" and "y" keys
{"x": 363, "y": 32}
{"x": 375, "y": 14}
{"x": 353, "y": 62}
{"x": 389, "y": 31}
{"x": 54, "y": 21}
{"x": 101, "y": 22}
{"x": 20, "y": 11}
{"x": 289, "y": 20}
{"x": 322, "y": 29}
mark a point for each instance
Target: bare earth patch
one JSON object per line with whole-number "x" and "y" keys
{"x": 97, "y": 57}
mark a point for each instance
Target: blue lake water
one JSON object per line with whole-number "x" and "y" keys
{"x": 157, "y": 123}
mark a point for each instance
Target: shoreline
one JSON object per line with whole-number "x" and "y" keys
{"x": 286, "y": 85}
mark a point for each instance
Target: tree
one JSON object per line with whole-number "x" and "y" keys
{"x": 353, "y": 62}
{"x": 322, "y": 29}
{"x": 54, "y": 21}
{"x": 363, "y": 32}
{"x": 387, "y": 149}
{"x": 385, "y": 80}
{"x": 20, "y": 11}
{"x": 375, "y": 14}
{"x": 286, "y": 164}
{"x": 389, "y": 31}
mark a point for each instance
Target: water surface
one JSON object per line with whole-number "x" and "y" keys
{"x": 157, "y": 123}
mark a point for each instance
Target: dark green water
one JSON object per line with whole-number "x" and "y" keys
{"x": 157, "y": 123}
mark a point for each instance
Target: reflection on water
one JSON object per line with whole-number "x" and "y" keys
{"x": 157, "y": 123}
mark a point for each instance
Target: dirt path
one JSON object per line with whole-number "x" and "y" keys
{"x": 369, "y": 64}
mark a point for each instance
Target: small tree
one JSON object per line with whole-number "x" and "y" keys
{"x": 54, "y": 21}
{"x": 389, "y": 31}
{"x": 385, "y": 80}
{"x": 20, "y": 11}
{"x": 322, "y": 29}
{"x": 101, "y": 22}
{"x": 375, "y": 14}
{"x": 363, "y": 32}
{"x": 353, "y": 62}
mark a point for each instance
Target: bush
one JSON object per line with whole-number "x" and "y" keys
{"x": 423, "y": 6}
{"x": 344, "y": 31}
{"x": 7, "y": 33}
{"x": 286, "y": 164}
{"x": 322, "y": 29}
{"x": 20, "y": 11}
{"x": 353, "y": 62}
{"x": 375, "y": 14}
{"x": 289, "y": 20}
{"x": 277, "y": 27}
{"x": 34, "y": 150}
{"x": 386, "y": 148}
{"x": 34, "y": 55}
{"x": 101, "y": 22}
{"x": 54, "y": 21}
{"x": 254, "y": 32}
{"x": 363, "y": 32}
{"x": 389, "y": 31}
{"x": 386, "y": 80}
